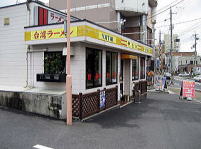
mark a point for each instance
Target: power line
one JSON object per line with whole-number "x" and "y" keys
{"x": 168, "y": 5}
{"x": 190, "y": 29}
{"x": 183, "y": 22}
{"x": 165, "y": 10}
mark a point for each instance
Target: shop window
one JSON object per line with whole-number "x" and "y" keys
{"x": 54, "y": 63}
{"x": 93, "y": 68}
{"x": 111, "y": 67}
{"x": 135, "y": 69}
{"x": 142, "y": 67}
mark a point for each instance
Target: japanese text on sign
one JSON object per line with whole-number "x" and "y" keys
{"x": 52, "y": 33}
{"x": 188, "y": 89}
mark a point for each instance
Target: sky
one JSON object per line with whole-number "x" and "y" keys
{"x": 9, "y": 2}
{"x": 184, "y": 11}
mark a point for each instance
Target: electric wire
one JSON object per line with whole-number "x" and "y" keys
{"x": 168, "y": 5}
{"x": 164, "y": 10}
{"x": 183, "y": 22}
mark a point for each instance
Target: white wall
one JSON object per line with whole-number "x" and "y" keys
{"x": 12, "y": 47}
{"x": 78, "y": 67}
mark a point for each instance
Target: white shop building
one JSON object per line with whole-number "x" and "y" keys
{"x": 104, "y": 64}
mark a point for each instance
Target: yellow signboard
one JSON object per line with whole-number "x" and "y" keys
{"x": 84, "y": 30}
{"x": 49, "y": 34}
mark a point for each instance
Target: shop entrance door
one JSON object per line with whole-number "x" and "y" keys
{"x": 125, "y": 84}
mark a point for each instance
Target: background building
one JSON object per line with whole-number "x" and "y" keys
{"x": 175, "y": 41}
{"x": 129, "y": 17}
{"x": 183, "y": 61}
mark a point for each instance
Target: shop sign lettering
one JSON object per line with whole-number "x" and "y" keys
{"x": 52, "y": 34}
{"x": 107, "y": 37}
{"x": 55, "y": 17}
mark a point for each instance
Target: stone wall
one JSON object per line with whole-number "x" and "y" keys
{"x": 44, "y": 104}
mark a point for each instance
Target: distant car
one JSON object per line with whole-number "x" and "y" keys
{"x": 197, "y": 78}
{"x": 184, "y": 74}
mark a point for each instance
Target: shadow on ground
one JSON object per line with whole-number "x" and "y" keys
{"x": 123, "y": 117}
{"x": 166, "y": 105}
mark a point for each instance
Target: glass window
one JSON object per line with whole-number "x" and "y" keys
{"x": 135, "y": 69}
{"x": 111, "y": 67}
{"x": 54, "y": 63}
{"x": 142, "y": 67}
{"x": 93, "y": 68}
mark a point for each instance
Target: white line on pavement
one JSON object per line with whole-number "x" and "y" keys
{"x": 38, "y": 146}
{"x": 198, "y": 101}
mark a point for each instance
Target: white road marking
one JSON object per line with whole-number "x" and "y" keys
{"x": 198, "y": 101}
{"x": 38, "y": 146}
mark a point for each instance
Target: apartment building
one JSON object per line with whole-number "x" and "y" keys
{"x": 132, "y": 18}
{"x": 175, "y": 43}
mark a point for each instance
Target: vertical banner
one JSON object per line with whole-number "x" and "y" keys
{"x": 102, "y": 99}
{"x": 158, "y": 83}
{"x": 188, "y": 89}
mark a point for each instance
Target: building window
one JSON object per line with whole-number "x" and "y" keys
{"x": 54, "y": 63}
{"x": 191, "y": 62}
{"x": 6, "y": 21}
{"x": 111, "y": 67}
{"x": 142, "y": 68}
{"x": 135, "y": 69}
{"x": 93, "y": 68}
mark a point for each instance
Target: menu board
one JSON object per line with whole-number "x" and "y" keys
{"x": 188, "y": 89}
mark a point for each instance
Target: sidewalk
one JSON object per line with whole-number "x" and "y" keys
{"x": 177, "y": 91}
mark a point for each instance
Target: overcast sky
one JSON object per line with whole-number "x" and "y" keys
{"x": 8, "y": 2}
{"x": 186, "y": 10}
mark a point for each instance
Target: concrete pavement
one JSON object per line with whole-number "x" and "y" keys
{"x": 160, "y": 122}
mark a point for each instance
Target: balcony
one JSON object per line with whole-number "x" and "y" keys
{"x": 131, "y": 7}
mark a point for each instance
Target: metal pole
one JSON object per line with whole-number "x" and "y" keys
{"x": 171, "y": 37}
{"x": 68, "y": 70}
{"x": 195, "y": 50}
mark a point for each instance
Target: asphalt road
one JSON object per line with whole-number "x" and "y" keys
{"x": 160, "y": 122}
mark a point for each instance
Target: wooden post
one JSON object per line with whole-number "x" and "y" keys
{"x": 68, "y": 72}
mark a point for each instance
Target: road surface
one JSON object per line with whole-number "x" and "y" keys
{"x": 160, "y": 122}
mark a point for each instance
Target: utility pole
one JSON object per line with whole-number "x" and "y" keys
{"x": 160, "y": 52}
{"x": 171, "y": 38}
{"x": 68, "y": 70}
{"x": 195, "y": 46}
